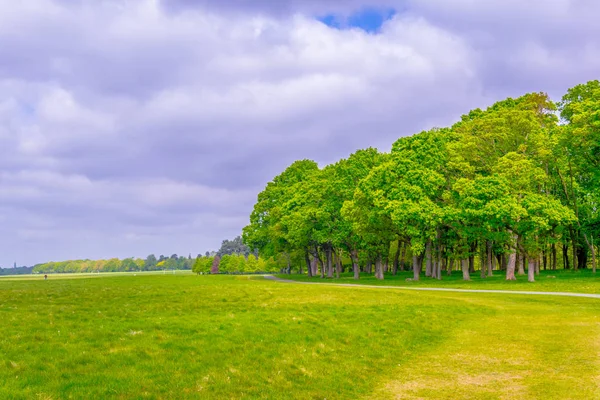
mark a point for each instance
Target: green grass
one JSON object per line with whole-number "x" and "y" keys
{"x": 86, "y": 275}
{"x": 219, "y": 337}
{"x": 581, "y": 281}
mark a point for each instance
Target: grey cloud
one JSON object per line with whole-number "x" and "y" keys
{"x": 129, "y": 128}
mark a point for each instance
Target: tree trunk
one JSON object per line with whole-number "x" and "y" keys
{"x": 487, "y": 268}
{"x": 416, "y": 268}
{"x": 438, "y": 268}
{"x": 582, "y": 256}
{"x": 308, "y": 265}
{"x": 510, "y": 267}
{"x": 553, "y": 256}
{"x": 449, "y": 266}
{"x": 428, "y": 258}
{"x": 444, "y": 266}
{"x": 531, "y": 270}
{"x": 566, "y": 256}
{"x": 338, "y": 264}
{"x": 593, "y": 256}
{"x": 379, "y": 268}
{"x": 486, "y": 259}
{"x": 328, "y": 257}
{"x": 590, "y": 245}
{"x": 355, "y": 266}
{"x": 512, "y": 260}
{"x": 402, "y": 256}
{"x": 368, "y": 266}
{"x": 520, "y": 264}
{"x": 545, "y": 259}
{"x": 473, "y": 249}
{"x": 397, "y": 258}
{"x": 574, "y": 243}
{"x": 321, "y": 264}
{"x": 490, "y": 258}
{"x": 464, "y": 263}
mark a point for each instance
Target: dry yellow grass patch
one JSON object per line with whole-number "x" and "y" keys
{"x": 506, "y": 357}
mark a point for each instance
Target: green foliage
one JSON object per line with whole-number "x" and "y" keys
{"x": 115, "y": 265}
{"x": 504, "y": 180}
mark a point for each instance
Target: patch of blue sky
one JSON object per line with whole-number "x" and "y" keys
{"x": 368, "y": 19}
{"x": 27, "y": 109}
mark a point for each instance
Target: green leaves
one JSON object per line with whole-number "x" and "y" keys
{"x": 508, "y": 171}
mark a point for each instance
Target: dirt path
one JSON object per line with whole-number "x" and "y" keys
{"x": 588, "y": 295}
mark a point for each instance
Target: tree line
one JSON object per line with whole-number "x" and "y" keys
{"x": 515, "y": 186}
{"x": 238, "y": 264}
{"x": 150, "y": 263}
{"x": 16, "y": 271}
{"x": 233, "y": 257}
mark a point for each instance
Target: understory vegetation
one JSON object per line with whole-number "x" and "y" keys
{"x": 511, "y": 188}
{"x": 188, "y": 336}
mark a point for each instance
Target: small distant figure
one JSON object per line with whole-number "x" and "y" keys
{"x": 45, "y": 277}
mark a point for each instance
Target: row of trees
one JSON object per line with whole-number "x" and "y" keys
{"x": 234, "y": 263}
{"x": 516, "y": 185}
{"x": 16, "y": 271}
{"x": 151, "y": 263}
{"x": 237, "y": 264}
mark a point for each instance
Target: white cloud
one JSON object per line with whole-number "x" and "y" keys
{"x": 151, "y": 126}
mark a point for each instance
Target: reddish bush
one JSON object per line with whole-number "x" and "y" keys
{"x": 215, "y": 265}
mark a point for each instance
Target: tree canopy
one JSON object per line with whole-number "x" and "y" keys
{"x": 506, "y": 188}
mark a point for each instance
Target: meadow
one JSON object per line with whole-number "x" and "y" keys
{"x": 232, "y": 337}
{"x": 561, "y": 280}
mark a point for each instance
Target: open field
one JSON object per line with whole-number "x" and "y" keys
{"x": 581, "y": 281}
{"x": 186, "y": 336}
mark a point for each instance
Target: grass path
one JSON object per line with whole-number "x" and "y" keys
{"x": 521, "y": 292}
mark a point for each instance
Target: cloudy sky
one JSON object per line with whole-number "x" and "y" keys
{"x": 130, "y": 127}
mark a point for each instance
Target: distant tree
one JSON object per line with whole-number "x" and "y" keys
{"x": 252, "y": 264}
{"x": 225, "y": 264}
{"x": 235, "y": 246}
{"x": 203, "y": 265}
{"x": 198, "y": 264}
{"x": 139, "y": 263}
{"x": 128, "y": 265}
{"x": 171, "y": 263}
{"x": 241, "y": 264}
{"x": 150, "y": 263}
{"x": 112, "y": 265}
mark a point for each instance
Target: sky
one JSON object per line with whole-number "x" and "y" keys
{"x": 135, "y": 127}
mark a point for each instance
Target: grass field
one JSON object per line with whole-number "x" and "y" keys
{"x": 581, "y": 281}
{"x": 85, "y": 275}
{"x": 219, "y": 337}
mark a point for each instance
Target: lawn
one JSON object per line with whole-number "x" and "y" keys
{"x": 219, "y": 337}
{"x": 581, "y": 281}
